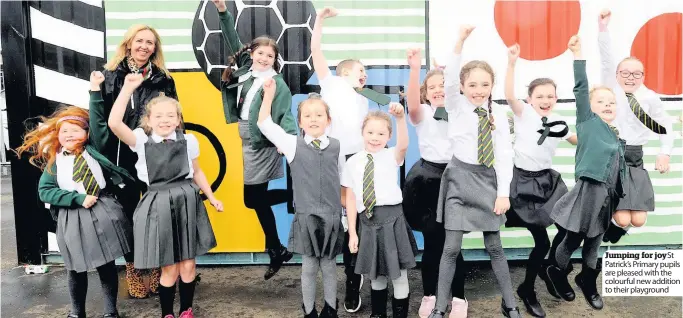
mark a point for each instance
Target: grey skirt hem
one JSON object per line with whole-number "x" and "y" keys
{"x": 587, "y": 209}
{"x": 171, "y": 225}
{"x": 639, "y": 194}
{"x": 260, "y": 165}
{"x": 90, "y": 238}
{"x": 386, "y": 243}
{"x": 533, "y": 194}
{"x": 466, "y": 198}
{"x": 320, "y": 236}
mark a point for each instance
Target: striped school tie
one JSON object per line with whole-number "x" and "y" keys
{"x": 643, "y": 116}
{"x": 369, "y": 198}
{"x": 485, "y": 139}
{"x": 316, "y": 144}
{"x": 615, "y": 130}
{"x": 83, "y": 174}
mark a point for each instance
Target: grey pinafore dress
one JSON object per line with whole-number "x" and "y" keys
{"x": 170, "y": 223}
{"x": 316, "y": 229}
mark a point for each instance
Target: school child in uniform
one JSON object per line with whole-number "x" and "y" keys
{"x": 640, "y": 114}
{"x": 170, "y": 225}
{"x": 476, "y": 183}
{"x": 317, "y": 230}
{"x": 242, "y": 96}
{"x": 92, "y": 229}
{"x": 348, "y": 101}
{"x": 535, "y": 186}
{"x": 586, "y": 210}
{"x": 385, "y": 243}
{"x": 421, "y": 191}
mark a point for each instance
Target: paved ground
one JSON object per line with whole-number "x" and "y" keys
{"x": 241, "y": 292}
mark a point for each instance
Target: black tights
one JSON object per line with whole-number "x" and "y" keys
{"x": 259, "y": 198}
{"x": 537, "y": 255}
{"x": 434, "y": 240}
{"x": 78, "y": 288}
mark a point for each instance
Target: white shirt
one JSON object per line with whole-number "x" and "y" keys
{"x": 347, "y": 110}
{"x": 463, "y": 129}
{"x": 528, "y": 154}
{"x": 140, "y": 140}
{"x": 259, "y": 78}
{"x": 287, "y": 143}
{"x": 432, "y": 136}
{"x": 630, "y": 127}
{"x": 387, "y": 189}
{"x": 65, "y": 171}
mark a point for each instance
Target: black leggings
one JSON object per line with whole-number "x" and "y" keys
{"x": 537, "y": 255}
{"x": 259, "y": 198}
{"x": 434, "y": 240}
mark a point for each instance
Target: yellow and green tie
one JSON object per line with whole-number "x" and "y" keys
{"x": 83, "y": 174}
{"x": 316, "y": 144}
{"x": 369, "y": 198}
{"x": 643, "y": 116}
{"x": 615, "y": 130}
{"x": 485, "y": 139}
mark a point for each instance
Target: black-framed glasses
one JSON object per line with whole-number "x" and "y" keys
{"x": 627, "y": 74}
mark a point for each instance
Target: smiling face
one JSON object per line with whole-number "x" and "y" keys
{"x": 163, "y": 118}
{"x": 477, "y": 86}
{"x": 314, "y": 117}
{"x": 543, "y": 98}
{"x": 355, "y": 75}
{"x": 434, "y": 90}
{"x": 264, "y": 58}
{"x": 71, "y": 136}
{"x": 142, "y": 46}
{"x": 376, "y": 134}
{"x": 603, "y": 103}
{"x": 630, "y": 75}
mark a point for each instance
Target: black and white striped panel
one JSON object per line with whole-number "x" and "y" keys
{"x": 67, "y": 43}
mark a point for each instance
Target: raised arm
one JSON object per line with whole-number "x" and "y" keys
{"x": 516, "y": 105}
{"x": 99, "y": 131}
{"x": 452, "y": 70}
{"x": 232, "y": 39}
{"x": 401, "y": 132}
{"x": 414, "y": 104}
{"x": 118, "y": 127}
{"x": 319, "y": 61}
{"x": 583, "y": 106}
{"x": 608, "y": 69}
{"x": 278, "y": 136}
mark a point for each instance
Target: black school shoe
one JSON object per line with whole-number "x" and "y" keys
{"x": 70, "y": 315}
{"x": 378, "y": 302}
{"x": 352, "y": 299}
{"x": 613, "y": 234}
{"x": 328, "y": 311}
{"x": 543, "y": 274}
{"x": 509, "y": 312}
{"x": 277, "y": 257}
{"x": 559, "y": 282}
{"x": 586, "y": 280}
{"x": 399, "y": 307}
{"x": 528, "y": 297}
{"x": 312, "y": 314}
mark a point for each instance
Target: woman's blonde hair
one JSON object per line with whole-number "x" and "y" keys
{"x": 144, "y": 120}
{"x": 122, "y": 51}
{"x": 378, "y": 115}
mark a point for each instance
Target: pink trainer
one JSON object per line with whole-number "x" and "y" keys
{"x": 458, "y": 308}
{"x": 428, "y": 303}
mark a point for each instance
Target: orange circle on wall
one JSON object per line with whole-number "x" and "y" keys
{"x": 541, "y": 28}
{"x": 658, "y": 46}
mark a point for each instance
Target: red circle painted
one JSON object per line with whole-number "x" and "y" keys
{"x": 541, "y": 28}
{"x": 658, "y": 45}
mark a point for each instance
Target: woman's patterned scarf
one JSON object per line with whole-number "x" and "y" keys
{"x": 146, "y": 70}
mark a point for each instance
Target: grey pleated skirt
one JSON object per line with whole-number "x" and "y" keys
{"x": 90, "y": 238}
{"x": 533, "y": 194}
{"x": 316, "y": 235}
{"x": 386, "y": 243}
{"x": 639, "y": 194}
{"x": 587, "y": 209}
{"x": 260, "y": 165}
{"x": 171, "y": 224}
{"x": 466, "y": 198}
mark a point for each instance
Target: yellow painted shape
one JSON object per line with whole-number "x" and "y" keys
{"x": 237, "y": 228}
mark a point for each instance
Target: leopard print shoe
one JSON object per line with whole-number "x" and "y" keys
{"x": 136, "y": 287}
{"x": 154, "y": 279}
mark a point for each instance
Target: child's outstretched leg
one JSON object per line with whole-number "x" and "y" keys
{"x": 110, "y": 287}
{"x": 309, "y": 271}
{"x": 586, "y": 279}
{"x": 329, "y": 269}
{"x": 169, "y": 275}
{"x": 378, "y": 297}
{"x": 558, "y": 271}
{"x": 543, "y": 274}
{"x": 526, "y": 290}
{"x": 447, "y": 267}
{"x": 78, "y": 288}
{"x": 499, "y": 263}
{"x": 401, "y": 300}
{"x": 188, "y": 272}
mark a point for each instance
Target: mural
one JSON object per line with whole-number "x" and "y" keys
{"x": 69, "y": 39}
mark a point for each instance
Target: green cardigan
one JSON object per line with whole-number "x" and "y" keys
{"x": 282, "y": 103}
{"x": 598, "y": 145}
{"x": 49, "y": 191}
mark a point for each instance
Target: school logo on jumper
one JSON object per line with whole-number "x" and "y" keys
{"x": 289, "y": 23}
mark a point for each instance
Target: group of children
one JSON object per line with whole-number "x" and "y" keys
{"x": 470, "y": 178}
